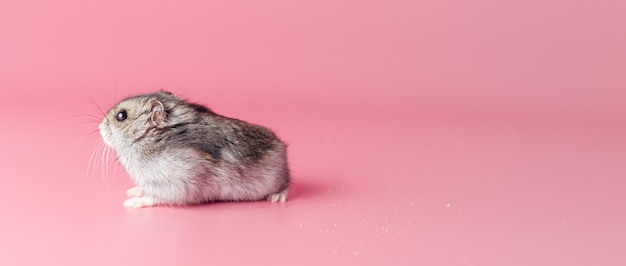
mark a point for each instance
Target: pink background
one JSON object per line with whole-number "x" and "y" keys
{"x": 421, "y": 132}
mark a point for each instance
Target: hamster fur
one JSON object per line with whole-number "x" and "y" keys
{"x": 182, "y": 153}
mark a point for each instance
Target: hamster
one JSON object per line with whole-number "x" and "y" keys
{"x": 181, "y": 153}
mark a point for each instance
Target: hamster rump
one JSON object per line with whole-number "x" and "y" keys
{"x": 182, "y": 153}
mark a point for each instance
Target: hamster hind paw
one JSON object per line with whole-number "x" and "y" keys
{"x": 278, "y": 197}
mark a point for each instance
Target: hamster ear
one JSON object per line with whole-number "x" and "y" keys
{"x": 157, "y": 112}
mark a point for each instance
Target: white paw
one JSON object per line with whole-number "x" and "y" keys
{"x": 134, "y": 192}
{"x": 139, "y": 202}
{"x": 278, "y": 197}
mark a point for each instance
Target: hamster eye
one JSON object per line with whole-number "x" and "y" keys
{"x": 121, "y": 115}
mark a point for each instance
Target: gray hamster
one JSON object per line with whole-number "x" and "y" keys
{"x": 182, "y": 153}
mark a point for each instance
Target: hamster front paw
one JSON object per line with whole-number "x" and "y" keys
{"x": 134, "y": 192}
{"x": 139, "y": 202}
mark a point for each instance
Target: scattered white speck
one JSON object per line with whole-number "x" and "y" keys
{"x": 448, "y": 205}
{"x": 412, "y": 203}
{"x": 356, "y": 253}
{"x": 301, "y": 225}
{"x": 335, "y": 225}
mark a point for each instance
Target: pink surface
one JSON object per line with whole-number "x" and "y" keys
{"x": 421, "y": 132}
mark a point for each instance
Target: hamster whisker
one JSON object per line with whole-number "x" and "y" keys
{"x": 104, "y": 168}
{"x": 79, "y": 143}
{"x": 108, "y": 161}
{"x": 96, "y": 105}
{"x": 91, "y": 164}
{"x": 91, "y": 117}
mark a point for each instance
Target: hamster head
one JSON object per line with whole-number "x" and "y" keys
{"x": 129, "y": 121}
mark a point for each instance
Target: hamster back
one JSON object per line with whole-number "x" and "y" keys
{"x": 182, "y": 153}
